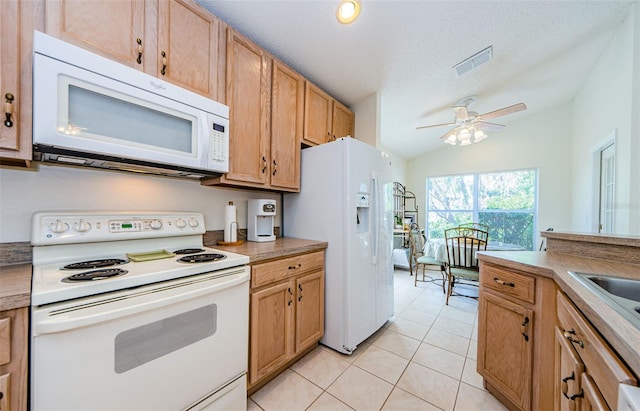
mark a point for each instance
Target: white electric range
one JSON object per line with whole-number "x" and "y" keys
{"x": 130, "y": 310}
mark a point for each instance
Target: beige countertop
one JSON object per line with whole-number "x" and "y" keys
{"x": 270, "y": 250}
{"x": 623, "y": 336}
{"x": 15, "y": 286}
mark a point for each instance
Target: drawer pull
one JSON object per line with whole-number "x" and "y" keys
{"x": 498, "y": 281}
{"x": 523, "y": 328}
{"x": 295, "y": 267}
{"x": 139, "y": 59}
{"x": 569, "y": 336}
{"x": 290, "y": 294}
{"x": 565, "y": 384}
{"x": 300, "y": 288}
{"x": 164, "y": 63}
{"x": 8, "y": 109}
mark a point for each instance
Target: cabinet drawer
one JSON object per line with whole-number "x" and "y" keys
{"x": 5, "y": 341}
{"x": 509, "y": 283}
{"x": 263, "y": 274}
{"x": 600, "y": 361}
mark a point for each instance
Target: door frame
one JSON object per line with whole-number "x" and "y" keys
{"x": 596, "y": 183}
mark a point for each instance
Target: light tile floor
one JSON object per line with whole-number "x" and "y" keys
{"x": 424, "y": 358}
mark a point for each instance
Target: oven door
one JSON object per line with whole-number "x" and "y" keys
{"x": 165, "y": 346}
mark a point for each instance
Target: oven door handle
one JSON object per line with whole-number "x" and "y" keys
{"x": 57, "y": 319}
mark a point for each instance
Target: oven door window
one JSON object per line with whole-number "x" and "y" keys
{"x": 146, "y": 343}
{"x": 97, "y": 113}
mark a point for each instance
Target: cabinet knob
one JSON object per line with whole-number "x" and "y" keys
{"x": 8, "y": 109}
{"x": 139, "y": 59}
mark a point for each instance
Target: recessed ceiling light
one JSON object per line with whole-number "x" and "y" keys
{"x": 348, "y": 11}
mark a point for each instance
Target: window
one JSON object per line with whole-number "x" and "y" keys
{"x": 505, "y": 201}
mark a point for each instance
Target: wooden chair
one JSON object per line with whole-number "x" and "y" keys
{"x": 462, "y": 245}
{"x": 417, "y": 258}
{"x": 479, "y": 226}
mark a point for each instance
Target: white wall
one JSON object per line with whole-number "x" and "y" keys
{"x": 367, "y": 129}
{"x": 23, "y": 192}
{"x": 604, "y": 107}
{"x": 541, "y": 141}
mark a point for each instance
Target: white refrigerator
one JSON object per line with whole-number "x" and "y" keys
{"x": 346, "y": 199}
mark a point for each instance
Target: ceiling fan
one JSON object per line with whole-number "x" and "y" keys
{"x": 470, "y": 127}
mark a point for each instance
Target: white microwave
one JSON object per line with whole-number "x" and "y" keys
{"x": 91, "y": 111}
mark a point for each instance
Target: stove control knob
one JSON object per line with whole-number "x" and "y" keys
{"x": 180, "y": 223}
{"x": 82, "y": 226}
{"x": 59, "y": 227}
{"x": 155, "y": 224}
{"x": 193, "y": 223}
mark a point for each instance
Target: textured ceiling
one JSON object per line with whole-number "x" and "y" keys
{"x": 405, "y": 51}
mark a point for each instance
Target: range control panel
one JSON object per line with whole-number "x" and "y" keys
{"x": 72, "y": 227}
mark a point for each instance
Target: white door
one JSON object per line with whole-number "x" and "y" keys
{"x": 607, "y": 189}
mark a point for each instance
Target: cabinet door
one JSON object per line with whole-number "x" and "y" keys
{"x": 309, "y": 309}
{"x": 248, "y": 99}
{"x": 287, "y": 103}
{"x": 592, "y": 397}
{"x": 505, "y": 348}
{"x": 317, "y": 115}
{"x": 343, "y": 121}
{"x": 188, "y": 46}
{"x": 104, "y": 27}
{"x": 568, "y": 371}
{"x": 271, "y": 329}
{"x": 14, "y": 373}
{"x": 16, "y": 33}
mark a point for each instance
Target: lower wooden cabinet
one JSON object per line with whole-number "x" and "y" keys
{"x": 286, "y": 315}
{"x": 507, "y": 348}
{"x": 587, "y": 371}
{"x": 516, "y": 319}
{"x": 14, "y": 333}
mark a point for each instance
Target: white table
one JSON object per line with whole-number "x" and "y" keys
{"x": 437, "y": 248}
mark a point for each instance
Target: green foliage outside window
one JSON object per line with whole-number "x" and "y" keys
{"x": 505, "y": 201}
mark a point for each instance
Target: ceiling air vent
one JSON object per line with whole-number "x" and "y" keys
{"x": 474, "y": 61}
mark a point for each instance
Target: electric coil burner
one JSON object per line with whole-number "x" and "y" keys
{"x": 94, "y": 264}
{"x": 102, "y": 274}
{"x": 201, "y": 258}
{"x": 188, "y": 251}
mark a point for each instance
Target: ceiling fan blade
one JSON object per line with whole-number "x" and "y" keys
{"x": 462, "y": 113}
{"x": 445, "y": 135}
{"x": 486, "y": 126}
{"x": 503, "y": 111}
{"x": 436, "y": 125}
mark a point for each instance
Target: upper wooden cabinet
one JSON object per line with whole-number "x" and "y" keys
{"x": 188, "y": 46}
{"x": 248, "y": 94}
{"x": 325, "y": 118}
{"x": 114, "y": 32}
{"x": 317, "y": 115}
{"x": 17, "y": 22}
{"x": 265, "y": 100}
{"x": 172, "y": 39}
{"x": 287, "y": 102}
{"x": 343, "y": 121}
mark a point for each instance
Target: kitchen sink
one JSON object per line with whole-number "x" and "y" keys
{"x": 622, "y": 294}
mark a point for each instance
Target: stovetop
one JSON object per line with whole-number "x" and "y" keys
{"x": 57, "y": 254}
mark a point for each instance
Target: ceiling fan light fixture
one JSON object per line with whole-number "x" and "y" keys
{"x": 348, "y": 11}
{"x": 479, "y": 136}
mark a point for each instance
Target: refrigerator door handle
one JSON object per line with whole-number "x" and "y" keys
{"x": 376, "y": 216}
